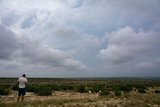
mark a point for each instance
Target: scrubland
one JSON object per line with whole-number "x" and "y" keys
{"x": 92, "y": 92}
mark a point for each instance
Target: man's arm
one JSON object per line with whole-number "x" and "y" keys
{"x": 26, "y": 82}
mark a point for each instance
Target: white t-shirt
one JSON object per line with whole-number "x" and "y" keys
{"x": 22, "y": 82}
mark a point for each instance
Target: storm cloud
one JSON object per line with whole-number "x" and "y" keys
{"x": 74, "y": 38}
{"x": 8, "y": 43}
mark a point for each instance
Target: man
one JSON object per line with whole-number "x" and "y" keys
{"x": 22, "y": 82}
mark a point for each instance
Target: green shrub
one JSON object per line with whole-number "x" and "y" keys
{"x": 97, "y": 87}
{"x": 81, "y": 88}
{"x": 125, "y": 88}
{"x": 5, "y": 89}
{"x": 45, "y": 92}
{"x": 104, "y": 93}
{"x": 33, "y": 88}
{"x": 60, "y": 87}
{"x": 117, "y": 93}
{"x": 14, "y": 87}
{"x": 157, "y": 91}
{"x": 70, "y": 87}
{"x": 141, "y": 88}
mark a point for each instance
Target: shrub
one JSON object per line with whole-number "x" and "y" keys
{"x": 81, "y": 88}
{"x": 125, "y": 88}
{"x": 70, "y": 87}
{"x": 97, "y": 87}
{"x": 60, "y": 87}
{"x": 104, "y": 93}
{"x": 5, "y": 89}
{"x": 118, "y": 93}
{"x": 14, "y": 87}
{"x": 45, "y": 92}
{"x": 141, "y": 89}
{"x": 33, "y": 88}
{"x": 157, "y": 91}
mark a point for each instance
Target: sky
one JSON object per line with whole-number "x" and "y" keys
{"x": 79, "y": 38}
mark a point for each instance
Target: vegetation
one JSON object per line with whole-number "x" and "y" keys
{"x": 117, "y": 85}
{"x": 5, "y": 89}
{"x": 120, "y": 89}
{"x": 157, "y": 91}
{"x": 45, "y": 91}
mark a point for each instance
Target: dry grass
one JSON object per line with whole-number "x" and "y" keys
{"x": 74, "y": 99}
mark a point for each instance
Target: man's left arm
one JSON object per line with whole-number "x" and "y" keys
{"x": 17, "y": 82}
{"x": 26, "y": 82}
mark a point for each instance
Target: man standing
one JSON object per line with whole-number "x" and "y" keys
{"x": 22, "y": 82}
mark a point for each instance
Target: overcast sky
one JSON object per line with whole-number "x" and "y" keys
{"x": 79, "y": 38}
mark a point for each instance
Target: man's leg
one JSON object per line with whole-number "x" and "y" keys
{"x": 23, "y": 94}
{"x": 22, "y": 98}
{"x": 18, "y": 98}
{"x": 19, "y": 95}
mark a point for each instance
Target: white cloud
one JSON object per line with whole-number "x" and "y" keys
{"x": 74, "y": 64}
{"x": 126, "y": 44}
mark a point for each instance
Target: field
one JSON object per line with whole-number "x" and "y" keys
{"x": 83, "y": 92}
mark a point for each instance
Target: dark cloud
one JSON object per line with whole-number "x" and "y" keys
{"x": 65, "y": 32}
{"x": 24, "y": 53}
{"x": 8, "y": 43}
{"x": 60, "y": 36}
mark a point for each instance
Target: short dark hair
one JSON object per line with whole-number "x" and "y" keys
{"x": 24, "y": 75}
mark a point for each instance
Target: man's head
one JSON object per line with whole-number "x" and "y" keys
{"x": 24, "y": 75}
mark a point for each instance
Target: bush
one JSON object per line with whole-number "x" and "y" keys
{"x": 14, "y": 87}
{"x": 70, "y": 87}
{"x": 97, "y": 87}
{"x": 118, "y": 93}
{"x": 60, "y": 87}
{"x": 104, "y": 93}
{"x": 141, "y": 89}
{"x": 5, "y": 89}
{"x": 45, "y": 92}
{"x": 33, "y": 88}
{"x": 157, "y": 91}
{"x": 125, "y": 88}
{"x": 81, "y": 88}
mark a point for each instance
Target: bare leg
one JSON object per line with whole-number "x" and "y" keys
{"x": 18, "y": 99}
{"x": 22, "y": 98}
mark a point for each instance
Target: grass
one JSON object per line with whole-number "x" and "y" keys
{"x": 127, "y": 100}
{"x": 55, "y": 102}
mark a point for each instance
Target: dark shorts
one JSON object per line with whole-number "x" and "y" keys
{"x": 21, "y": 91}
